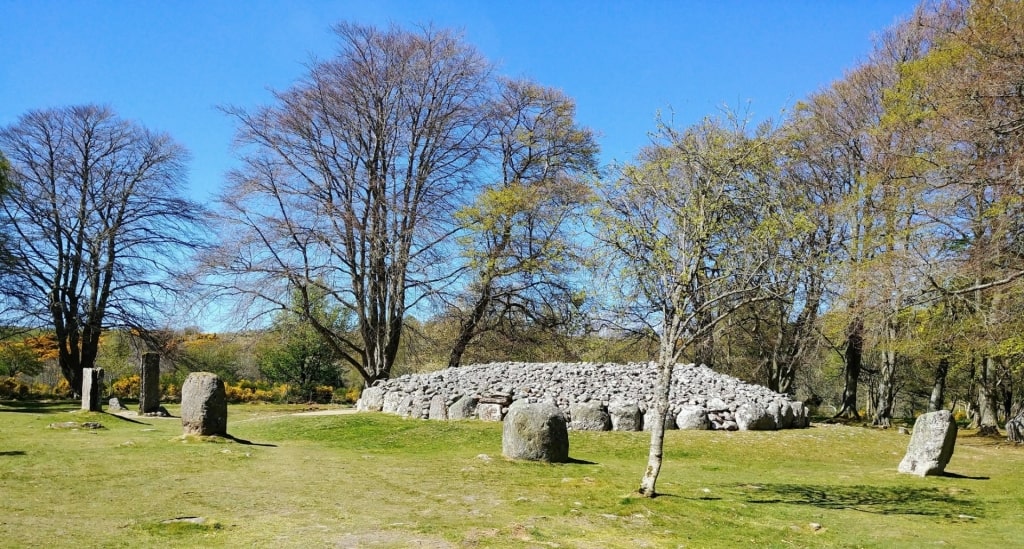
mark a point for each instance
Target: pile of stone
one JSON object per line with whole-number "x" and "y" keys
{"x": 592, "y": 396}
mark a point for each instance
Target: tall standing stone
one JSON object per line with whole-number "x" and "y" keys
{"x": 204, "y": 405}
{"x": 92, "y": 389}
{"x": 931, "y": 445}
{"x": 149, "y": 384}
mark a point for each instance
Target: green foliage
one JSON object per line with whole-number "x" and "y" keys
{"x": 19, "y": 358}
{"x": 127, "y": 387}
{"x": 293, "y": 352}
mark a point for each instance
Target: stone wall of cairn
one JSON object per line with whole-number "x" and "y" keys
{"x": 592, "y": 396}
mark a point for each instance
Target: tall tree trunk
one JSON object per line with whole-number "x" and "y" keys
{"x": 886, "y": 395}
{"x": 988, "y": 423}
{"x": 853, "y": 359}
{"x": 468, "y": 326}
{"x": 939, "y": 387}
{"x": 667, "y": 356}
{"x": 656, "y": 452}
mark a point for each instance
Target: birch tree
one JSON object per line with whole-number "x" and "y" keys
{"x": 690, "y": 228}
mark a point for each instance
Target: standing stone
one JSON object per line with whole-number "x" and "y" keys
{"x": 693, "y": 418}
{"x": 204, "y": 405}
{"x": 931, "y": 445}
{"x": 114, "y": 405}
{"x": 149, "y": 384}
{"x": 589, "y": 416}
{"x": 625, "y": 416}
{"x": 92, "y": 389}
{"x": 535, "y": 432}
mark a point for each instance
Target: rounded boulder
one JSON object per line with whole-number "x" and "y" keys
{"x": 535, "y": 432}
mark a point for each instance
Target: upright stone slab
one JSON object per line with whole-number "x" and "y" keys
{"x": 589, "y": 416}
{"x": 149, "y": 384}
{"x": 92, "y": 389}
{"x": 626, "y": 416}
{"x": 371, "y": 400}
{"x": 463, "y": 408}
{"x": 204, "y": 405}
{"x": 438, "y": 408}
{"x": 535, "y": 432}
{"x": 931, "y": 445}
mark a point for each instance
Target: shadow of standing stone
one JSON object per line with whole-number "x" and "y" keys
{"x": 535, "y": 432}
{"x": 931, "y": 445}
{"x": 204, "y": 405}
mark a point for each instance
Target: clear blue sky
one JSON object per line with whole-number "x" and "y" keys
{"x": 168, "y": 64}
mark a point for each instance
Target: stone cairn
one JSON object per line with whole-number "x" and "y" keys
{"x": 591, "y": 396}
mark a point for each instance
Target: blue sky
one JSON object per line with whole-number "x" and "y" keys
{"x": 169, "y": 64}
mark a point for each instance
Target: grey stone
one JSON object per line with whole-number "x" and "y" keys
{"x": 1015, "y": 429}
{"x": 752, "y": 417}
{"x": 92, "y": 389}
{"x": 464, "y": 408}
{"x": 204, "y": 405}
{"x": 392, "y": 402}
{"x": 149, "y": 383}
{"x": 371, "y": 400}
{"x": 648, "y": 421}
{"x": 625, "y": 416}
{"x": 801, "y": 419}
{"x": 438, "y": 408}
{"x": 931, "y": 445}
{"x": 589, "y": 416}
{"x": 489, "y": 411}
{"x": 114, "y": 405}
{"x": 535, "y": 432}
{"x": 693, "y": 418}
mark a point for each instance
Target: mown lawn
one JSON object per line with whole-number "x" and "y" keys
{"x": 372, "y": 480}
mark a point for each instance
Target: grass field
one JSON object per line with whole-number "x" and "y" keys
{"x": 372, "y": 480}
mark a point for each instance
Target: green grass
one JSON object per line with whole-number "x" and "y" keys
{"x": 372, "y": 480}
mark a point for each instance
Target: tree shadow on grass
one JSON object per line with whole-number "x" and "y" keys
{"x": 888, "y": 500}
{"x": 35, "y": 407}
{"x": 13, "y": 453}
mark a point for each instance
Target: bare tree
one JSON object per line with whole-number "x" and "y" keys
{"x": 691, "y": 228}
{"x": 519, "y": 249}
{"x": 349, "y": 184}
{"x": 98, "y": 225}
